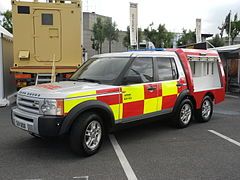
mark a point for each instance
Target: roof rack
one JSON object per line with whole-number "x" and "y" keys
{"x": 147, "y": 49}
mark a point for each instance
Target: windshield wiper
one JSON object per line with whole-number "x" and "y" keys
{"x": 89, "y": 80}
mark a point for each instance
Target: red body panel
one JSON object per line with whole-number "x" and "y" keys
{"x": 219, "y": 94}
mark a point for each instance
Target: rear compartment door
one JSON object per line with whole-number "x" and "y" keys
{"x": 47, "y": 35}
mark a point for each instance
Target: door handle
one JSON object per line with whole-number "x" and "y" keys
{"x": 151, "y": 88}
{"x": 179, "y": 85}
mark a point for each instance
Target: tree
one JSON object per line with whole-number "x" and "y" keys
{"x": 7, "y": 20}
{"x": 151, "y": 35}
{"x": 234, "y": 28}
{"x": 187, "y": 38}
{"x": 98, "y": 35}
{"x": 160, "y": 37}
{"x": 126, "y": 39}
{"x": 217, "y": 41}
{"x": 111, "y": 33}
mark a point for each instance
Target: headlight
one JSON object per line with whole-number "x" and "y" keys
{"x": 53, "y": 107}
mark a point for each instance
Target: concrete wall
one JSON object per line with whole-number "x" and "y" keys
{"x": 116, "y": 46}
{"x": 90, "y": 18}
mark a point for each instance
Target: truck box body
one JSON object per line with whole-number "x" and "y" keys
{"x": 46, "y": 32}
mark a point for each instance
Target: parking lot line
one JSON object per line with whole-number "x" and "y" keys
{"x": 81, "y": 177}
{"x": 232, "y": 96}
{"x": 122, "y": 158}
{"x": 225, "y": 137}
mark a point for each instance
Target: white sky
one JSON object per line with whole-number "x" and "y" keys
{"x": 175, "y": 14}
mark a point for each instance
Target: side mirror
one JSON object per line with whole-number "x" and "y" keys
{"x": 132, "y": 80}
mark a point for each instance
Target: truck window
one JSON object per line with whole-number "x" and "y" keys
{"x": 166, "y": 69}
{"x": 143, "y": 68}
{"x": 47, "y": 19}
{"x": 23, "y": 10}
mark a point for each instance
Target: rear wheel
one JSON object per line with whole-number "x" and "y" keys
{"x": 205, "y": 113}
{"x": 184, "y": 114}
{"x": 87, "y": 134}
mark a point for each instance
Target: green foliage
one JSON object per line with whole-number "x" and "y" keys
{"x": 111, "y": 32}
{"x": 126, "y": 39}
{"x": 187, "y": 38}
{"x": 104, "y": 30}
{"x": 98, "y": 35}
{"x": 234, "y": 28}
{"x": 217, "y": 41}
{"x": 161, "y": 37}
{"x": 7, "y": 20}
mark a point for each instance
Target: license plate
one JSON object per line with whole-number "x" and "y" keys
{"x": 21, "y": 125}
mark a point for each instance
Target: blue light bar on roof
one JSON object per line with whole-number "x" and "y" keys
{"x": 155, "y": 49}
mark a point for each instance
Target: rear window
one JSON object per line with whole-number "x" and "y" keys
{"x": 166, "y": 69}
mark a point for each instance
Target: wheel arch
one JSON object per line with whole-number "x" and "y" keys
{"x": 210, "y": 94}
{"x": 101, "y": 108}
{"x": 184, "y": 95}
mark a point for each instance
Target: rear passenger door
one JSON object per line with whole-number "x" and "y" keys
{"x": 139, "y": 92}
{"x": 167, "y": 76}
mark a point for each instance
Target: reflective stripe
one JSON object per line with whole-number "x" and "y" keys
{"x": 115, "y": 110}
{"x": 71, "y": 103}
{"x": 133, "y": 93}
{"x": 121, "y": 111}
{"x": 169, "y": 88}
{"x": 79, "y": 94}
{"x": 150, "y": 105}
{"x": 134, "y": 100}
{"x": 159, "y": 103}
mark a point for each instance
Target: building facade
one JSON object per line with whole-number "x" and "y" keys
{"x": 88, "y": 21}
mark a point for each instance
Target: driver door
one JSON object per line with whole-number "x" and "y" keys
{"x": 139, "y": 95}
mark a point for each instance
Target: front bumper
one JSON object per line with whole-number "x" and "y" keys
{"x": 37, "y": 124}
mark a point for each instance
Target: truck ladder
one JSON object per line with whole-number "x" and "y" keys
{"x": 43, "y": 78}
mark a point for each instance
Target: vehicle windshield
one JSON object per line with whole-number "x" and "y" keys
{"x": 102, "y": 70}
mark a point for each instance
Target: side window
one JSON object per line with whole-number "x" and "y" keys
{"x": 174, "y": 69}
{"x": 141, "y": 71}
{"x": 166, "y": 69}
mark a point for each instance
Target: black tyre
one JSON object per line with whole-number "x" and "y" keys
{"x": 184, "y": 114}
{"x": 205, "y": 113}
{"x": 87, "y": 133}
{"x": 34, "y": 135}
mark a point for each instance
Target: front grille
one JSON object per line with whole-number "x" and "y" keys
{"x": 24, "y": 118}
{"x": 28, "y": 104}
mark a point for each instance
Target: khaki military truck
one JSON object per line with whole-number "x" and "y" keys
{"x": 47, "y": 40}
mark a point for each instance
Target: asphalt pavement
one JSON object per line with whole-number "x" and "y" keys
{"x": 153, "y": 150}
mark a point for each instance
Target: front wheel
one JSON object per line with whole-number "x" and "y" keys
{"x": 86, "y": 134}
{"x": 184, "y": 114}
{"x": 205, "y": 113}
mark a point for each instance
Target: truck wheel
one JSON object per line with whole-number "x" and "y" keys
{"x": 205, "y": 113}
{"x": 184, "y": 114}
{"x": 86, "y": 134}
